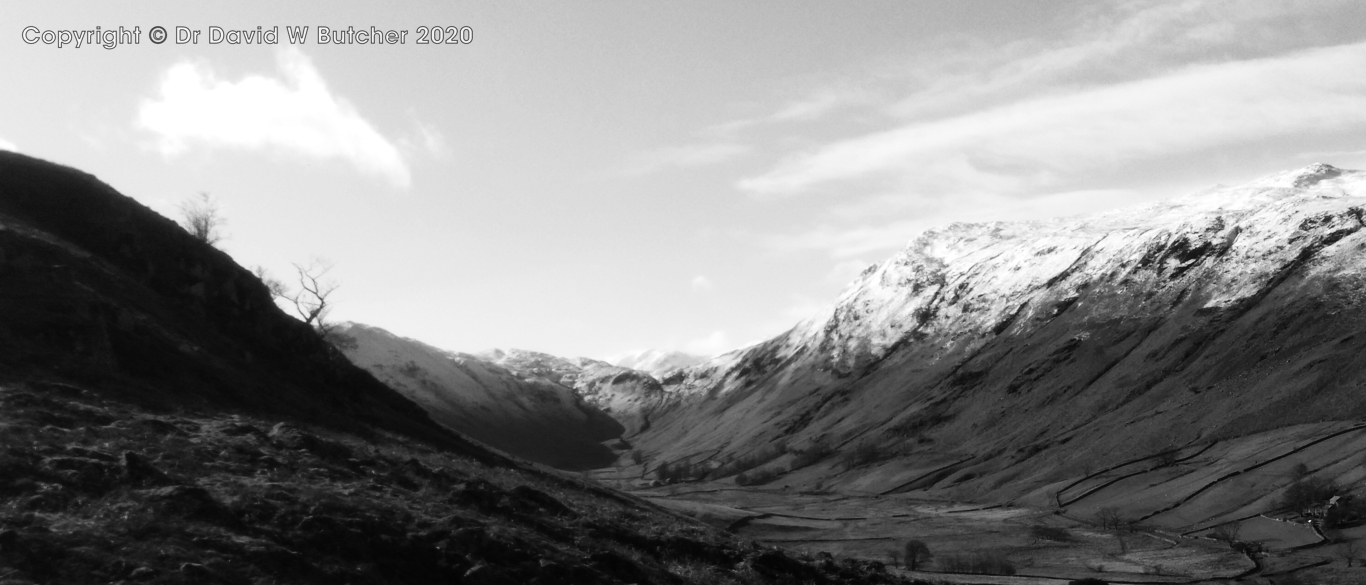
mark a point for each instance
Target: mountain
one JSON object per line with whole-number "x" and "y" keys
{"x": 162, "y": 421}
{"x": 629, "y": 396}
{"x": 658, "y": 362}
{"x": 526, "y": 415}
{"x": 999, "y": 361}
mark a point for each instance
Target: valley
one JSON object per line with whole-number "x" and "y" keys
{"x": 1130, "y": 397}
{"x": 1165, "y": 396}
{"x": 1167, "y": 516}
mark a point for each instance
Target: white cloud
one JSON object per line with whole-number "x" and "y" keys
{"x": 1039, "y": 143}
{"x": 702, "y": 283}
{"x": 296, "y": 113}
{"x": 427, "y": 140}
{"x": 822, "y": 102}
{"x": 715, "y": 344}
{"x": 693, "y": 155}
{"x": 7, "y": 145}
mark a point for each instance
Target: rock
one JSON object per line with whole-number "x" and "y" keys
{"x": 83, "y": 473}
{"x": 9, "y": 540}
{"x": 137, "y": 469}
{"x": 291, "y": 437}
{"x": 196, "y": 570}
{"x": 44, "y": 502}
{"x": 524, "y": 497}
{"x": 187, "y": 501}
{"x": 158, "y": 427}
{"x": 142, "y": 573}
{"x": 482, "y": 574}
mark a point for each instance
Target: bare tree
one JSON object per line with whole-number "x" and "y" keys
{"x": 312, "y": 301}
{"x": 916, "y": 552}
{"x": 1227, "y": 533}
{"x": 895, "y": 555}
{"x": 1109, "y": 518}
{"x": 202, "y": 219}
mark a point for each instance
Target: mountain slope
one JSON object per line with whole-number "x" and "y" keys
{"x": 1012, "y": 355}
{"x": 99, "y": 287}
{"x": 629, "y": 396}
{"x": 162, "y": 421}
{"x": 527, "y": 416}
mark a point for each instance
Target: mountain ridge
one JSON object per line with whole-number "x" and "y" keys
{"x": 1007, "y": 325}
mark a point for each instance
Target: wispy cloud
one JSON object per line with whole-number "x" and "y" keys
{"x": 822, "y": 102}
{"x": 851, "y": 242}
{"x": 1039, "y": 143}
{"x": 296, "y": 113}
{"x": 692, "y": 155}
{"x": 7, "y": 145}
{"x": 702, "y": 283}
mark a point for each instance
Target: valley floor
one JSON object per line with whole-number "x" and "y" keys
{"x": 1043, "y": 546}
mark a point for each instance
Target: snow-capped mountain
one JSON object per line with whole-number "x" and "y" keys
{"x": 657, "y": 362}
{"x": 530, "y": 416}
{"x": 628, "y": 395}
{"x": 1229, "y": 310}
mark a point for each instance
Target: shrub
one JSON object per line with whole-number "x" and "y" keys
{"x": 920, "y": 422}
{"x": 747, "y": 462}
{"x": 811, "y": 455}
{"x": 684, "y": 470}
{"x": 757, "y": 477}
{"x": 1307, "y": 493}
{"x": 1053, "y": 533}
{"x": 863, "y": 454}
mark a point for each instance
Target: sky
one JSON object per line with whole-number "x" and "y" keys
{"x": 588, "y": 178}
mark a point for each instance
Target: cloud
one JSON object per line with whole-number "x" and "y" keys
{"x": 693, "y": 155}
{"x": 702, "y": 283}
{"x": 7, "y": 145}
{"x": 822, "y": 102}
{"x": 428, "y": 141}
{"x": 1039, "y": 143}
{"x": 296, "y": 113}
{"x": 714, "y": 344}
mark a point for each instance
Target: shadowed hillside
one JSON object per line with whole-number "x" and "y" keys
{"x": 527, "y": 416}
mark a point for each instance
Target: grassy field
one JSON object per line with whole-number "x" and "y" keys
{"x": 1174, "y": 507}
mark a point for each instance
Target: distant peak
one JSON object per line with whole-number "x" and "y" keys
{"x": 1314, "y": 173}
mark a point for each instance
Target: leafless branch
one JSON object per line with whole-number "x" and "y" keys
{"x": 202, "y": 219}
{"x": 311, "y": 300}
